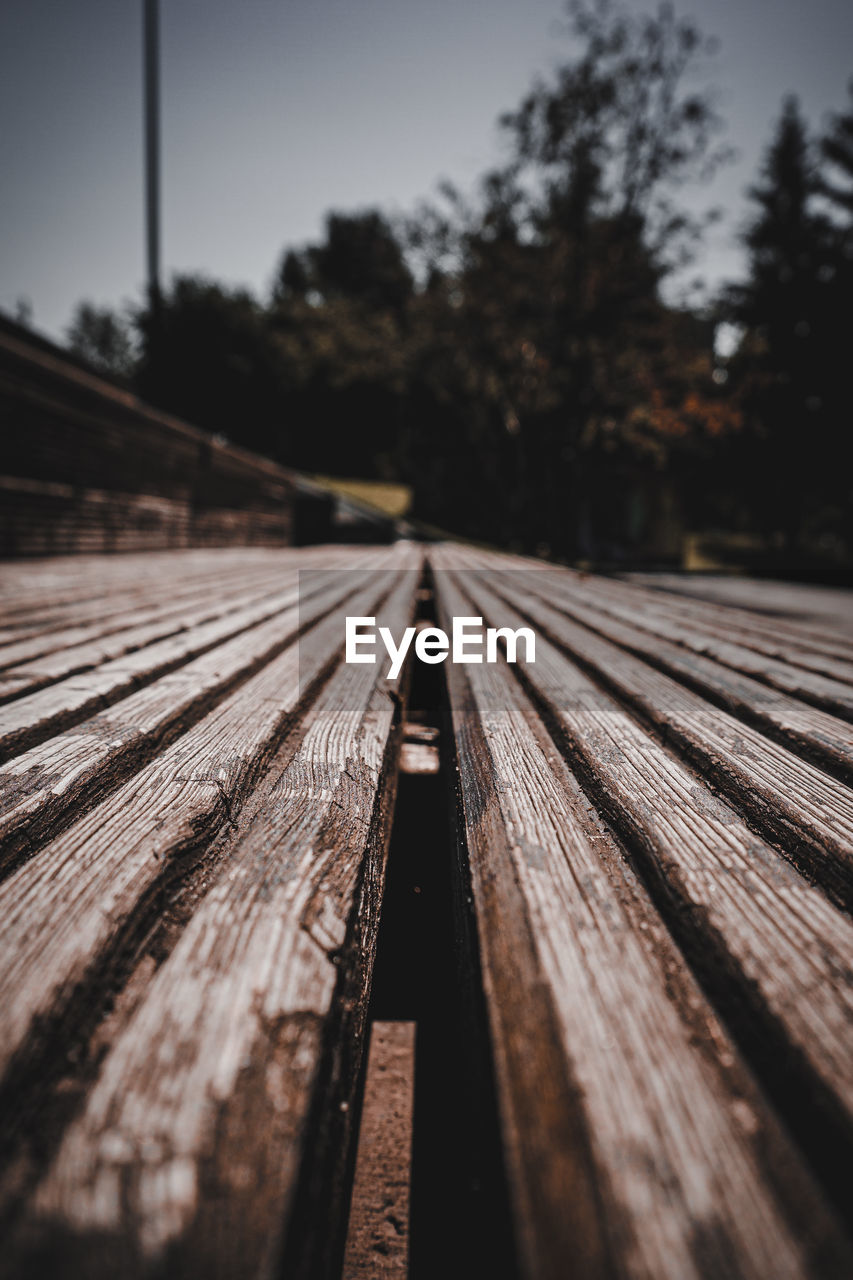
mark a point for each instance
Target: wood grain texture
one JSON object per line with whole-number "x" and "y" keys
{"x": 53, "y": 781}
{"x": 755, "y": 926}
{"x": 833, "y": 694}
{"x": 37, "y": 716}
{"x": 67, "y": 910}
{"x": 595, "y": 1016}
{"x": 810, "y": 606}
{"x": 655, "y": 830}
{"x": 161, "y": 1164}
{"x": 788, "y": 798}
{"x": 180, "y": 606}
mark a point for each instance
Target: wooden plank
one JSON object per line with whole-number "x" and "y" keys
{"x": 637, "y": 1143}
{"x": 823, "y": 650}
{"x": 818, "y": 606}
{"x": 818, "y": 688}
{"x": 179, "y": 575}
{"x": 40, "y": 715}
{"x": 43, "y": 788}
{"x": 70, "y": 658}
{"x": 37, "y": 716}
{"x": 34, "y": 587}
{"x": 774, "y": 637}
{"x": 823, "y": 738}
{"x": 58, "y": 588}
{"x": 188, "y": 1151}
{"x": 751, "y": 923}
{"x": 67, "y": 912}
{"x": 786, "y": 797}
{"x": 169, "y": 599}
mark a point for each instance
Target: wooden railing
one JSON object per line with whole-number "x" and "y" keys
{"x": 87, "y": 467}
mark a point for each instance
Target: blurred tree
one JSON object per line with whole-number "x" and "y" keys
{"x": 616, "y": 132}
{"x": 542, "y": 317}
{"x": 342, "y": 368}
{"x": 837, "y": 151}
{"x": 791, "y": 370}
{"x": 210, "y": 358}
{"x": 510, "y": 356}
{"x": 836, "y": 279}
{"x": 104, "y": 338}
{"x": 338, "y": 315}
{"x": 360, "y": 259}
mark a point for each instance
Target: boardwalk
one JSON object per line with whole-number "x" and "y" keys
{"x": 612, "y": 931}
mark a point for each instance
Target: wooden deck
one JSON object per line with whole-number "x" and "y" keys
{"x": 613, "y": 938}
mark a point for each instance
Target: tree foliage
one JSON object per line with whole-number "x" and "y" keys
{"x": 360, "y": 260}
{"x": 545, "y": 295}
{"x": 104, "y": 338}
{"x": 791, "y": 373}
{"x": 837, "y": 152}
{"x": 510, "y": 353}
{"x": 208, "y": 356}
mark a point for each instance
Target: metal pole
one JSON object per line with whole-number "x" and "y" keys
{"x": 152, "y": 149}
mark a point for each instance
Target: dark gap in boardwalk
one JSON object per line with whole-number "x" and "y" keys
{"x": 427, "y": 972}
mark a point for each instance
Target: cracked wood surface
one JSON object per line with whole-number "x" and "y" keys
{"x": 657, "y": 831}
{"x": 259, "y": 958}
{"x": 303, "y": 741}
{"x": 590, "y": 786}
{"x": 41, "y": 786}
{"x": 652, "y": 1153}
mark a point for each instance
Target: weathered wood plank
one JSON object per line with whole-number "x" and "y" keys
{"x": 72, "y": 659}
{"x": 60, "y": 589}
{"x": 773, "y": 637}
{"x": 189, "y": 1148}
{"x": 788, "y": 798}
{"x": 816, "y": 647}
{"x": 182, "y": 577}
{"x": 752, "y": 925}
{"x": 173, "y": 599}
{"x": 36, "y": 716}
{"x": 67, "y": 911}
{"x": 818, "y": 607}
{"x": 168, "y": 594}
{"x": 34, "y": 588}
{"x": 213, "y": 1141}
{"x": 836, "y": 695}
{"x": 45, "y": 786}
{"x": 821, "y": 737}
{"x": 637, "y": 1143}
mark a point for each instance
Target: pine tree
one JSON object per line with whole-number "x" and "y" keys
{"x": 780, "y": 307}
{"x": 837, "y": 152}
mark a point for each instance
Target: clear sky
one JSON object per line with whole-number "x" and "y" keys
{"x": 276, "y": 110}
